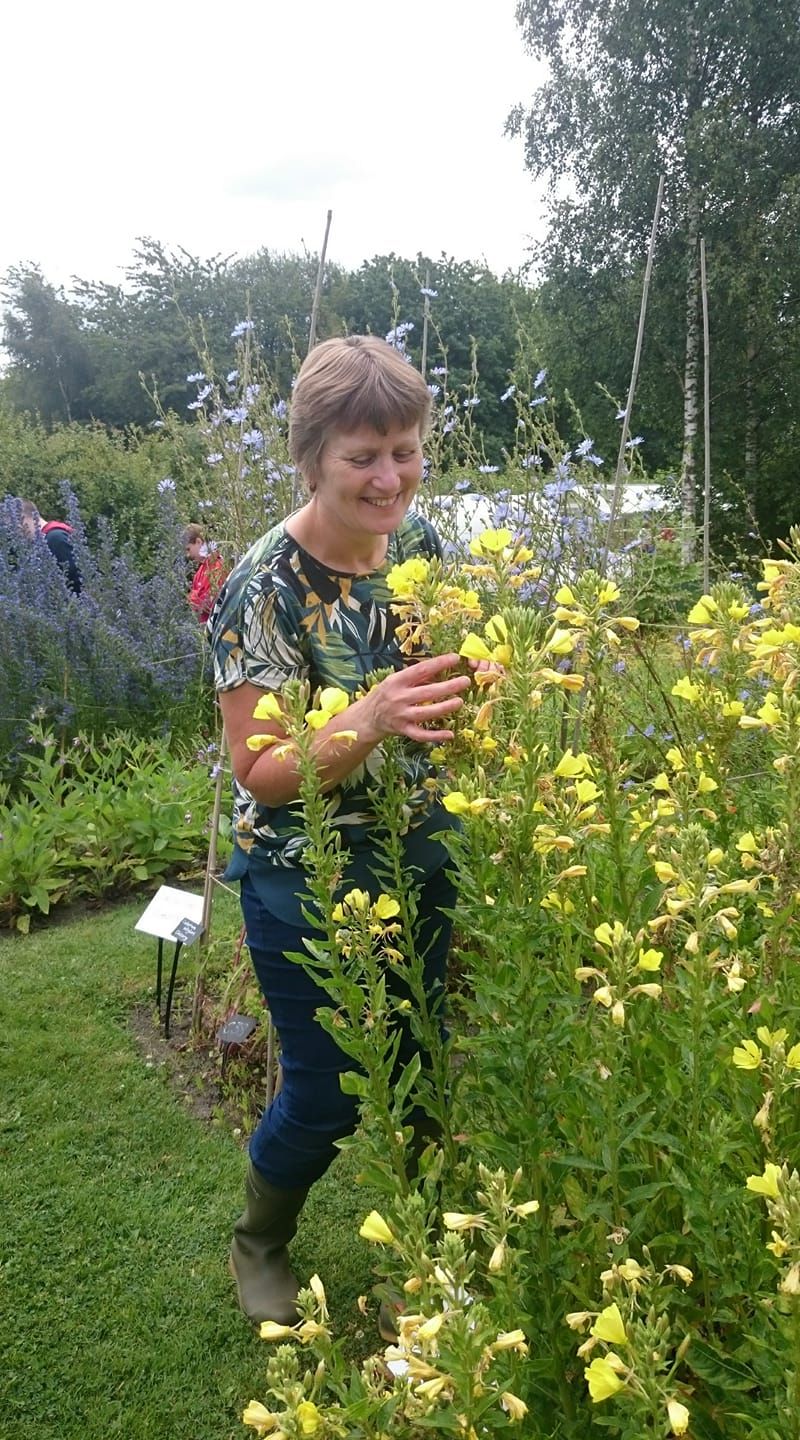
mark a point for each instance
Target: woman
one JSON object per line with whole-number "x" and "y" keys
{"x": 310, "y": 601}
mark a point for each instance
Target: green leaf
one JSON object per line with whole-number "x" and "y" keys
{"x": 719, "y": 1369}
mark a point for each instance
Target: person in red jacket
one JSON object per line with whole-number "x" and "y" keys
{"x": 208, "y": 576}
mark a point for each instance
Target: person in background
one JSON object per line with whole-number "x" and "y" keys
{"x": 57, "y": 536}
{"x": 310, "y": 601}
{"x": 208, "y": 576}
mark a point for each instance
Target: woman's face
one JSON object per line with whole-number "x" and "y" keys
{"x": 195, "y": 550}
{"x": 366, "y": 481}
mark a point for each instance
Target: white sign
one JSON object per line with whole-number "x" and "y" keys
{"x": 168, "y": 910}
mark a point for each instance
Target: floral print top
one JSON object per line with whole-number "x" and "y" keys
{"x": 282, "y": 615}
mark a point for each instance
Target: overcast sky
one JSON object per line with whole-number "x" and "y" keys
{"x": 228, "y": 127}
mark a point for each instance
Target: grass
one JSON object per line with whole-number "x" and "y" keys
{"x": 117, "y": 1313}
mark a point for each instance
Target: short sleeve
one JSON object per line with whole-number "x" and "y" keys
{"x": 254, "y": 637}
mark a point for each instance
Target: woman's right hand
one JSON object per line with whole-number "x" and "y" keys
{"x": 406, "y": 702}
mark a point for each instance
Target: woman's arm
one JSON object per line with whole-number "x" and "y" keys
{"x": 404, "y": 703}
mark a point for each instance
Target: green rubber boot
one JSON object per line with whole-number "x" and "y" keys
{"x": 259, "y": 1259}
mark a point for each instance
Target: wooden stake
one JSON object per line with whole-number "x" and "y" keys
{"x": 623, "y": 441}
{"x": 312, "y": 336}
{"x": 706, "y": 423}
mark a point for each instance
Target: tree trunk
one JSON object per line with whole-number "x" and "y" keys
{"x": 690, "y": 383}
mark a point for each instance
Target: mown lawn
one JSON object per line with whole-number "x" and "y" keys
{"x": 117, "y": 1313}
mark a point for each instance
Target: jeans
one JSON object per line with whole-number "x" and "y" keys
{"x": 294, "y": 1142}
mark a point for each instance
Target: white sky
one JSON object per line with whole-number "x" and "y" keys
{"x": 228, "y": 127}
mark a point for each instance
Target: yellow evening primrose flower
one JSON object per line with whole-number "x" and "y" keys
{"x": 610, "y": 1326}
{"x": 747, "y": 843}
{"x": 628, "y": 622}
{"x": 705, "y": 785}
{"x": 458, "y": 1220}
{"x": 268, "y": 707}
{"x": 678, "y": 1416}
{"x": 733, "y": 709}
{"x": 661, "y": 782}
{"x": 650, "y": 959}
{"x": 737, "y": 610}
{"x": 769, "y": 711}
{"x": 496, "y": 630}
{"x": 565, "y": 682}
{"x": 375, "y": 1228}
{"x": 515, "y": 1408}
{"x": 675, "y": 758}
{"x": 603, "y": 1380}
{"x": 490, "y": 542}
{"x": 308, "y": 1417}
{"x": 404, "y": 579}
{"x": 385, "y": 907}
{"x": 793, "y": 1058}
{"x": 685, "y": 690}
{"x": 703, "y": 612}
{"x": 510, "y": 1340}
{"x": 271, "y": 1330}
{"x": 608, "y": 592}
{"x": 771, "y": 1038}
{"x": 455, "y": 803}
{"x": 603, "y": 996}
{"x": 561, "y": 642}
{"x": 564, "y": 596}
{"x": 665, "y": 872}
{"x": 333, "y": 700}
{"x": 586, "y": 791}
{"x": 570, "y": 766}
{"x": 747, "y": 1056}
{"x": 777, "y": 1245}
{"x": 608, "y": 936}
{"x": 766, "y": 1184}
{"x": 474, "y": 648}
{"x": 261, "y": 1419}
{"x": 261, "y": 742}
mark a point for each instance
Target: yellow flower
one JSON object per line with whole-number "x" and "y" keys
{"x": 665, "y": 872}
{"x": 737, "y": 610}
{"x": 650, "y": 959}
{"x": 571, "y": 766}
{"x": 608, "y": 936}
{"x": 685, "y": 690}
{"x": 308, "y": 1417}
{"x": 603, "y": 996}
{"x": 586, "y": 791}
{"x": 455, "y": 803}
{"x": 703, "y": 611}
{"x": 404, "y": 579}
{"x": 778, "y": 1245}
{"x": 677, "y": 1413}
{"x": 261, "y": 742}
{"x": 766, "y": 1184}
{"x": 793, "y": 1058}
{"x": 270, "y": 1330}
{"x": 430, "y": 1327}
{"x": 261, "y": 1419}
{"x": 608, "y": 593}
{"x": 526, "y": 1208}
{"x": 675, "y": 758}
{"x": 385, "y": 907}
{"x": 457, "y": 1220}
{"x": 268, "y": 708}
{"x": 771, "y": 1038}
{"x": 510, "y": 1340}
{"x": 496, "y": 630}
{"x": 631, "y": 1270}
{"x": 491, "y": 542}
{"x": 747, "y": 1056}
{"x": 561, "y": 642}
{"x": 790, "y": 1284}
{"x": 566, "y": 682}
{"x": 515, "y": 1408}
{"x": 603, "y": 1380}
{"x": 375, "y": 1228}
{"x": 333, "y": 700}
{"x": 661, "y": 782}
{"x": 474, "y": 648}
{"x": 733, "y": 709}
{"x": 769, "y": 712}
{"x": 564, "y": 596}
{"x": 628, "y": 622}
{"x": 705, "y": 785}
{"x": 714, "y": 857}
{"x": 747, "y": 843}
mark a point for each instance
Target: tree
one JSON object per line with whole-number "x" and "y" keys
{"x": 707, "y": 94}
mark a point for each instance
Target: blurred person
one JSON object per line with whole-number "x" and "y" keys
{"x": 57, "y": 536}
{"x": 208, "y": 576}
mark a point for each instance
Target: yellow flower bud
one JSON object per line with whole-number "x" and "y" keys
{"x": 375, "y": 1228}
{"x": 515, "y": 1408}
{"x": 678, "y": 1417}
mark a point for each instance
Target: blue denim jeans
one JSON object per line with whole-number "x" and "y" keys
{"x": 294, "y": 1142}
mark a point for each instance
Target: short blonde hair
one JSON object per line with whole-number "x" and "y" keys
{"x": 346, "y": 383}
